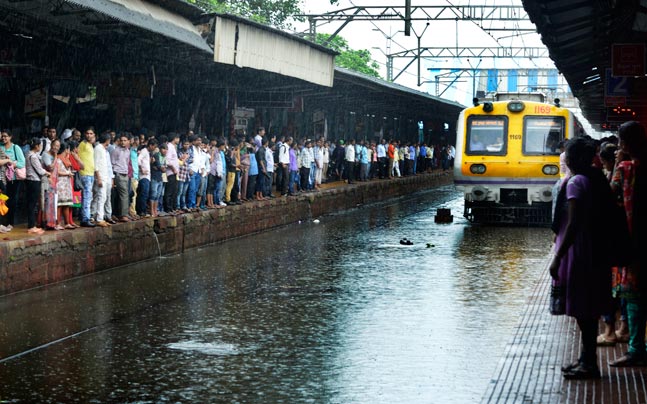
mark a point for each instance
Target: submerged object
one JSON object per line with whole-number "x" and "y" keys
{"x": 404, "y": 241}
{"x": 315, "y": 221}
{"x": 429, "y": 245}
{"x": 444, "y": 216}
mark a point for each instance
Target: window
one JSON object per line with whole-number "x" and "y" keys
{"x": 486, "y": 135}
{"x": 542, "y": 134}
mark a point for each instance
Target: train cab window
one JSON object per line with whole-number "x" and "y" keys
{"x": 486, "y": 135}
{"x": 542, "y": 134}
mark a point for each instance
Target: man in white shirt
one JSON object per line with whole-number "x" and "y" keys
{"x": 195, "y": 171}
{"x": 103, "y": 180}
{"x": 284, "y": 164}
{"x": 350, "y": 160}
{"x": 143, "y": 187}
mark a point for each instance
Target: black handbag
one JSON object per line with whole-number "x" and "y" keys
{"x": 78, "y": 185}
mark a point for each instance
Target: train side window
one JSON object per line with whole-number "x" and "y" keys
{"x": 486, "y": 135}
{"x": 542, "y": 134}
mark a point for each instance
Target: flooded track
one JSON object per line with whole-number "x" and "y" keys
{"x": 334, "y": 312}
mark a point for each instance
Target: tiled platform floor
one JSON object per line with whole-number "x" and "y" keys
{"x": 529, "y": 371}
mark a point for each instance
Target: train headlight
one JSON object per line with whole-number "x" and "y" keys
{"x": 488, "y": 107}
{"x": 477, "y": 169}
{"x": 546, "y": 194}
{"x": 516, "y": 106}
{"x": 479, "y": 193}
{"x": 550, "y": 169}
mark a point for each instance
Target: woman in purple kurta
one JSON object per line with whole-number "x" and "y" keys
{"x": 576, "y": 268}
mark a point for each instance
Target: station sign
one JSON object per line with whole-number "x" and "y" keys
{"x": 614, "y": 101}
{"x": 617, "y": 86}
{"x": 628, "y": 59}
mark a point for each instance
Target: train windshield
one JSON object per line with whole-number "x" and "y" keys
{"x": 542, "y": 134}
{"x": 486, "y": 135}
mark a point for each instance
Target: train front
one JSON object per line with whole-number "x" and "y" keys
{"x": 507, "y": 160}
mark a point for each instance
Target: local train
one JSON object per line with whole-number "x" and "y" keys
{"x": 507, "y": 159}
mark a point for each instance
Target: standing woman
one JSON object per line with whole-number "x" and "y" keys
{"x": 244, "y": 168}
{"x": 64, "y": 187}
{"x": 48, "y": 190}
{"x": 35, "y": 172}
{"x": 577, "y": 267}
{"x": 629, "y": 177}
{"x": 14, "y": 184}
{"x": 77, "y": 165}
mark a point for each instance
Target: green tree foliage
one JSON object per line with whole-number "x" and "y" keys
{"x": 357, "y": 60}
{"x": 278, "y": 13}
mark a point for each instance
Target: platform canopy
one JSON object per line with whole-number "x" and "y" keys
{"x": 599, "y": 47}
{"x": 243, "y": 43}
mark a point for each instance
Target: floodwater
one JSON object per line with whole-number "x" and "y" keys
{"x": 331, "y": 312}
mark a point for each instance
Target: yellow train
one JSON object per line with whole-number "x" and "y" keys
{"x": 507, "y": 159}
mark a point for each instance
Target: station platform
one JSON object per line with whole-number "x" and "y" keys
{"x": 530, "y": 369}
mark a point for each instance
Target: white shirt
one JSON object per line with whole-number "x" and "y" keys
{"x": 350, "y": 153}
{"x": 269, "y": 160}
{"x": 284, "y": 154}
{"x": 381, "y": 150}
{"x": 144, "y": 162}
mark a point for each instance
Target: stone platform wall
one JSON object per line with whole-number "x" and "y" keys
{"x": 56, "y": 256}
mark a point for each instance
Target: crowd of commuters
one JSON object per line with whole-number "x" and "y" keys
{"x": 599, "y": 223}
{"x": 105, "y": 178}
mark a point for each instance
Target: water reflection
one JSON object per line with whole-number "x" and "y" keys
{"x": 335, "y": 312}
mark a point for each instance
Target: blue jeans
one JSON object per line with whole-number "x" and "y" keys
{"x": 194, "y": 184}
{"x": 88, "y": 182}
{"x": 182, "y": 187}
{"x": 293, "y": 179}
{"x": 218, "y": 191}
{"x": 156, "y": 190}
{"x": 143, "y": 189}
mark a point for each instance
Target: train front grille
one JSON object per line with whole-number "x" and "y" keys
{"x": 514, "y": 196}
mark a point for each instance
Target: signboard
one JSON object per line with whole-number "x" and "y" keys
{"x": 614, "y": 101}
{"x": 628, "y": 59}
{"x": 617, "y": 86}
{"x": 36, "y": 101}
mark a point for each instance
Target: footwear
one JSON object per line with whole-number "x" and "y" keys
{"x": 603, "y": 340}
{"x": 70, "y": 227}
{"x": 223, "y": 204}
{"x": 628, "y": 360}
{"x": 570, "y": 367}
{"x": 36, "y": 230}
{"x": 110, "y": 220}
{"x": 59, "y": 227}
{"x": 582, "y": 372}
{"x": 103, "y": 223}
{"x": 88, "y": 224}
{"x": 124, "y": 219}
{"x": 3, "y": 229}
{"x": 622, "y": 337}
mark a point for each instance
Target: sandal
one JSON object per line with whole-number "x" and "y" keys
{"x": 603, "y": 340}
{"x": 70, "y": 226}
{"x": 570, "y": 367}
{"x": 622, "y": 337}
{"x": 59, "y": 227}
{"x": 582, "y": 372}
{"x": 628, "y": 360}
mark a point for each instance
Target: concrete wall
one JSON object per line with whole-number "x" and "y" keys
{"x": 56, "y": 256}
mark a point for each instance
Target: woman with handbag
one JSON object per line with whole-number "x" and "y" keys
{"x": 6, "y": 169}
{"x": 64, "y": 188}
{"x": 77, "y": 186}
{"x": 49, "y": 195}
{"x": 35, "y": 173}
{"x": 14, "y": 182}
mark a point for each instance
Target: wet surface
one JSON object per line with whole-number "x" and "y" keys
{"x": 334, "y": 312}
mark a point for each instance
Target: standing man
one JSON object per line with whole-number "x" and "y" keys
{"x": 143, "y": 187}
{"x": 196, "y": 165}
{"x": 258, "y": 139}
{"x": 172, "y": 169}
{"x": 350, "y": 161}
{"x": 88, "y": 174}
{"x": 381, "y": 158}
{"x": 120, "y": 158}
{"x": 103, "y": 180}
{"x": 284, "y": 165}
